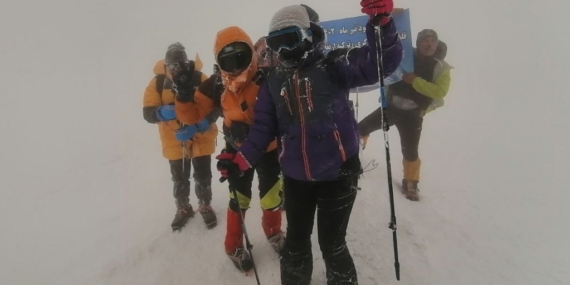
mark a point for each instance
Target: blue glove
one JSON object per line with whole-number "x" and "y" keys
{"x": 165, "y": 113}
{"x": 203, "y": 125}
{"x": 186, "y": 133}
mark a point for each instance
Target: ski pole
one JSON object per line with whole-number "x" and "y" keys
{"x": 356, "y": 105}
{"x": 393, "y": 226}
{"x": 182, "y": 125}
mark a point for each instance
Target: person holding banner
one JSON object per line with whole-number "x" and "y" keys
{"x": 304, "y": 103}
{"x": 409, "y": 100}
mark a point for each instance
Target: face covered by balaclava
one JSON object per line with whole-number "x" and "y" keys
{"x": 176, "y": 59}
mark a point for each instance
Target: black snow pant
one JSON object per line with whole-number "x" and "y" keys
{"x": 268, "y": 174}
{"x": 181, "y": 169}
{"x": 409, "y": 125}
{"x": 332, "y": 201}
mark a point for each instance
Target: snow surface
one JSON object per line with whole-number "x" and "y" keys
{"x": 85, "y": 195}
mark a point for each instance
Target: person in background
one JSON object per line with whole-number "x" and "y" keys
{"x": 418, "y": 93}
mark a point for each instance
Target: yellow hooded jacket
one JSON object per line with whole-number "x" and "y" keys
{"x": 202, "y": 144}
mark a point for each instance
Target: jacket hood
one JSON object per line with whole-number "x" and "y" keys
{"x": 159, "y": 67}
{"x": 227, "y": 36}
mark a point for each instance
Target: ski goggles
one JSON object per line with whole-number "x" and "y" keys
{"x": 234, "y": 58}
{"x": 288, "y": 39}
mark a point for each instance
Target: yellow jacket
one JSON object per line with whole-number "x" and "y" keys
{"x": 437, "y": 89}
{"x": 202, "y": 144}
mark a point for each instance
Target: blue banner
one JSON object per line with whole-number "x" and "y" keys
{"x": 351, "y": 33}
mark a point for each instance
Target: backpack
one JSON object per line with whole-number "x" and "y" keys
{"x": 440, "y": 54}
{"x": 441, "y": 51}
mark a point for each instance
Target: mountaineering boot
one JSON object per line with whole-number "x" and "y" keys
{"x": 410, "y": 190}
{"x": 411, "y": 179}
{"x": 203, "y": 191}
{"x": 241, "y": 259}
{"x": 277, "y": 241}
{"x": 208, "y": 215}
{"x": 183, "y": 213}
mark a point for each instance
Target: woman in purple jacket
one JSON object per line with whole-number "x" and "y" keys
{"x": 304, "y": 103}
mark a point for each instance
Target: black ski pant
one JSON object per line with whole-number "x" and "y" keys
{"x": 268, "y": 174}
{"x": 332, "y": 201}
{"x": 181, "y": 169}
{"x": 409, "y": 125}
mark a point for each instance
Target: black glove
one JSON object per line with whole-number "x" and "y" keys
{"x": 238, "y": 131}
{"x": 183, "y": 83}
{"x": 217, "y": 70}
{"x": 218, "y": 84}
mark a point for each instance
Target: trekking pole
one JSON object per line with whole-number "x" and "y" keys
{"x": 360, "y": 149}
{"x": 248, "y": 244}
{"x": 183, "y": 78}
{"x": 356, "y": 105}
{"x": 393, "y": 226}
{"x": 182, "y": 125}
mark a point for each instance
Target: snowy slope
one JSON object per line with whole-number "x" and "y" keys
{"x": 85, "y": 196}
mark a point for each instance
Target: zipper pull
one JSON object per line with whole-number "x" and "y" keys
{"x": 283, "y": 94}
{"x": 308, "y": 92}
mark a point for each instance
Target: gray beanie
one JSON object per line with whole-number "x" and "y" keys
{"x": 175, "y": 54}
{"x": 290, "y": 16}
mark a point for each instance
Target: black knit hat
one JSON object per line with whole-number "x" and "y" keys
{"x": 176, "y": 53}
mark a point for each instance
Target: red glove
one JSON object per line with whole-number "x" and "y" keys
{"x": 232, "y": 164}
{"x": 381, "y": 8}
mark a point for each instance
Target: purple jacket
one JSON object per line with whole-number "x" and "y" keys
{"x": 308, "y": 110}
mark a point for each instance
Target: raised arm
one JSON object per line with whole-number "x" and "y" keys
{"x": 193, "y": 108}
{"x": 360, "y": 68}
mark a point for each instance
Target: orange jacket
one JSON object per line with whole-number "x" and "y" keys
{"x": 200, "y": 145}
{"x": 239, "y": 95}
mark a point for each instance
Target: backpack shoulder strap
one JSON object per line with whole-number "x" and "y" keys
{"x": 160, "y": 82}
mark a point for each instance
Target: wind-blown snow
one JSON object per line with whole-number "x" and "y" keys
{"x": 85, "y": 195}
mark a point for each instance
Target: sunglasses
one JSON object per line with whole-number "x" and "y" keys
{"x": 287, "y": 39}
{"x": 181, "y": 65}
